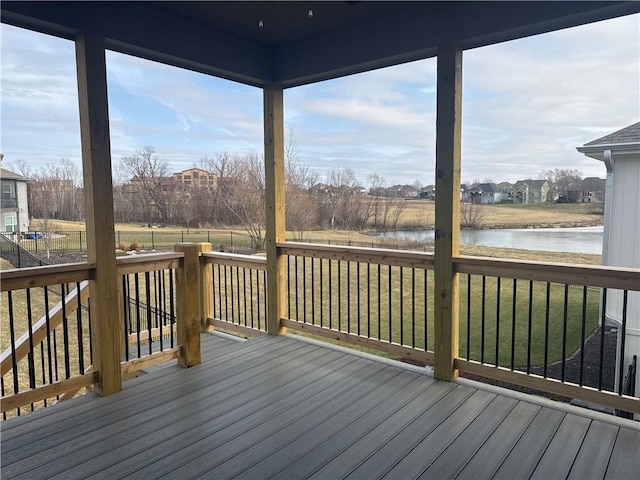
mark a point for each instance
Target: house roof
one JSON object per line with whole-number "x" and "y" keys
{"x": 293, "y": 47}
{"x": 485, "y": 188}
{"x": 9, "y": 175}
{"x": 630, "y": 134}
{"x": 530, "y": 183}
{"x": 593, "y": 184}
{"x": 621, "y": 143}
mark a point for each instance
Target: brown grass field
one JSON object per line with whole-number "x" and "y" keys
{"x": 422, "y": 213}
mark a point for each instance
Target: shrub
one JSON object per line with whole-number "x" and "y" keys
{"x": 122, "y": 246}
{"x": 133, "y": 246}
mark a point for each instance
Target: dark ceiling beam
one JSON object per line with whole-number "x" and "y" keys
{"x": 417, "y": 32}
{"x": 133, "y": 29}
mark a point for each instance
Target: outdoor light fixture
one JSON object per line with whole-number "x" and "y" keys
{"x": 260, "y": 23}
{"x": 310, "y": 14}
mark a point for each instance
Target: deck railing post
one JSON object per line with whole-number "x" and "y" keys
{"x": 188, "y": 304}
{"x": 275, "y": 206}
{"x": 447, "y": 214}
{"x": 98, "y": 200}
{"x": 206, "y": 289}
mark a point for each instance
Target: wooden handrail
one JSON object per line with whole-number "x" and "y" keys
{"x": 590, "y": 275}
{"x": 21, "y": 278}
{"x": 235, "y": 260}
{"x": 39, "y": 329}
{"x": 148, "y": 262}
{"x": 380, "y": 256}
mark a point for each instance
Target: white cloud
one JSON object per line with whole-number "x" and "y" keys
{"x": 527, "y": 105}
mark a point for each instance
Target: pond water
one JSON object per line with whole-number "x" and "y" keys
{"x": 574, "y": 240}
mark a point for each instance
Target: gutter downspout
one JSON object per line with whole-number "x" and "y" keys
{"x": 608, "y": 200}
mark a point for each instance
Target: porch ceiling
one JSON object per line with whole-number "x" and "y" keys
{"x": 291, "y": 49}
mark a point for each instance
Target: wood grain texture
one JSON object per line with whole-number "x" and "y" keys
{"x": 275, "y": 206}
{"x": 447, "y": 210}
{"x": 206, "y": 288}
{"x": 188, "y": 304}
{"x": 98, "y": 199}
{"x": 20, "y": 278}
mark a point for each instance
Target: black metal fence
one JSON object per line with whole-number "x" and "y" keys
{"x": 15, "y": 254}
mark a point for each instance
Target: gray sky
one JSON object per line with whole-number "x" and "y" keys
{"x": 526, "y": 105}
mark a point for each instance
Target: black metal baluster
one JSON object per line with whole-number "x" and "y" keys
{"x": 368, "y": 300}
{"x": 426, "y": 309}
{"x": 321, "y": 292}
{"x": 401, "y": 306}
{"x": 514, "y": 308}
{"x": 565, "y": 317}
{"x": 230, "y": 286}
{"x": 251, "y": 296}
{"x": 12, "y": 335}
{"x": 468, "y": 316}
{"x": 147, "y": 289}
{"x": 289, "y": 298}
{"x": 623, "y": 339}
{"x": 313, "y": 292}
{"x": 48, "y": 323}
{"x": 238, "y": 294}
{"x": 583, "y": 333}
{"x": 529, "y": 326}
{"x": 379, "y": 301}
{"x": 304, "y": 289}
{"x": 348, "y": 296}
{"x": 498, "y": 292}
{"x": 602, "y": 324}
{"x": 339, "y": 296}
{"x": 483, "y": 317}
{"x": 358, "y": 298}
{"x": 172, "y": 316}
{"x": 330, "y": 296}
{"x": 126, "y": 312}
{"x": 546, "y": 330}
{"x": 413, "y": 308}
{"x": 79, "y": 331}
{"x": 65, "y": 333}
{"x": 390, "y": 306}
{"x": 136, "y": 278}
{"x": 295, "y": 265}
{"x": 30, "y": 357}
{"x": 244, "y": 294}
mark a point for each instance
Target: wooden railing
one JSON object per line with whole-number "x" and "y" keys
{"x": 516, "y": 317}
{"x": 383, "y": 299}
{"x": 46, "y": 327}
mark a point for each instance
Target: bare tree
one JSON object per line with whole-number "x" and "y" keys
{"x": 562, "y": 179}
{"x": 152, "y": 189}
{"x": 301, "y": 210}
{"x": 472, "y": 215}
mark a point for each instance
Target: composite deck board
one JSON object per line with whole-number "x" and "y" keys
{"x": 86, "y": 417}
{"x": 147, "y": 418}
{"x": 492, "y": 453}
{"x": 281, "y": 407}
{"x": 595, "y": 452}
{"x": 562, "y": 450}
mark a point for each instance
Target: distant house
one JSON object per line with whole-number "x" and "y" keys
{"x": 592, "y": 190}
{"x": 485, "y": 193}
{"x": 196, "y": 178}
{"x": 620, "y": 153}
{"x": 428, "y": 192}
{"x": 15, "y": 202}
{"x": 530, "y": 191}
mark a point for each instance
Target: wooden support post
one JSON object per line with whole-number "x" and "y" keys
{"x": 275, "y": 206}
{"x": 447, "y": 218}
{"x": 188, "y": 304}
{"x": 98, "y": 198}
{"x": 206, "y": 290}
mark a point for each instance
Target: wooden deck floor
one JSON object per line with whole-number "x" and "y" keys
{"x": 281, "y": 407}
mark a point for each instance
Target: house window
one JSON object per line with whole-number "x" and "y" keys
{"x": 7, "y": 190}
{"x": 10, "y": 224}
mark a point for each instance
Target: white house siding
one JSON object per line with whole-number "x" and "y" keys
{"x": 624, "y": 247}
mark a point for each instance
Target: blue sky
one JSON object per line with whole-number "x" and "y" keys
{"x": 526, "y": 105}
